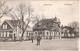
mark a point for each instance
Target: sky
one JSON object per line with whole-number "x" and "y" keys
{"x": 66, "y": 11}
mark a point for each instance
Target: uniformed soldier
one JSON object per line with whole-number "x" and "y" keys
{"x": 38, "y": 40}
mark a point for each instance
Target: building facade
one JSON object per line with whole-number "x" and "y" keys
{"x": 68, "y": 32}
{"x": 48, "y": 28}
{"x": 10, "y": 29}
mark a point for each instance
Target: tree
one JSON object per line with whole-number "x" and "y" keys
{"x": 29, "y": 12}
{"x": 75, "y": 26}
{"x": 20, "y": 13}
{"x": 38, "y": 18}
{"x": 4, "y": 9}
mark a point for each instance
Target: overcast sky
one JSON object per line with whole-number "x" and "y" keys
{"x": 66, "y": 11}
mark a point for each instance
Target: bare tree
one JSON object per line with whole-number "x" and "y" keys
{"x": 4, "y": 9}
{"x": 21, "y": 11}
{"x": 74, "y": 25}
{"x": 38, "y": 18}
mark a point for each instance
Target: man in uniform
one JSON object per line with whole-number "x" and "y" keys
{"x": 32, "y": 38}
{"x": 38, "y": 40}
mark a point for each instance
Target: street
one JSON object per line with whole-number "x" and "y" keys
{"x": 55, "y": 44}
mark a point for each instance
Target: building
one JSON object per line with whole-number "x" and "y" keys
{"x": 48, "y": 28}
{"x": 67, "y": 32}
{"x": 11, "y": 29}
{"x": 28, "y": 33}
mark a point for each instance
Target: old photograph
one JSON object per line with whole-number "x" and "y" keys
{"x": 39, "y": 25}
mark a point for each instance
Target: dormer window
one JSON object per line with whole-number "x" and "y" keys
{"x": 5, "y": 26}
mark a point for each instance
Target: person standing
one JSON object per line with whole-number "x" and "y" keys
{"x": 32, "y": 38}
{"x": 38, "y": 40}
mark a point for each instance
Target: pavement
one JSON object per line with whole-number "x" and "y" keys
{"x": 55, "y": 44}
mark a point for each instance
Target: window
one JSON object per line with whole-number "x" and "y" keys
{"x": 53, "y": 33}
{"x": 7, "y": 34}
{"x": 4, "y": 34}
{"x": 47, "y": 33}
{"x": 1, "y": 34}
{"x": 5, "y": 26}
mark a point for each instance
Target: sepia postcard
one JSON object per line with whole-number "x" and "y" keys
{"x": 43, "y": 25}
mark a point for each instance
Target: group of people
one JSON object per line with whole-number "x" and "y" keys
{"x": 38, "y": 39}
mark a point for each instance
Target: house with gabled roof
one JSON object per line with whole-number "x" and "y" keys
{"x": 48, "y": 28}
{"x": 10, "y": 29}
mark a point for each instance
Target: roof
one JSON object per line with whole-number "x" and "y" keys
{"x": 47, "y": 24}
{"x": 67, "y": 27}
{"x": 1, "y": 23}
{"x": 56, "y": 19}
{"x": 29, "y": 29}
{"x": 15, "y": 23}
